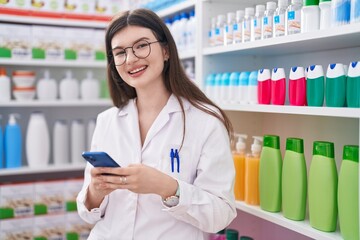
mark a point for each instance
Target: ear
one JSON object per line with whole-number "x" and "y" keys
{"x": 166, "y": 54}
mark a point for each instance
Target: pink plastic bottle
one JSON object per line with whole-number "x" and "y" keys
{"x": 297, "y": 86}
{"x": 264, "y": 86}
{"x": 278, "y": 86}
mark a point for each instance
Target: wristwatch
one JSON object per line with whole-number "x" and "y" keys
{"x": 172, "y": 201}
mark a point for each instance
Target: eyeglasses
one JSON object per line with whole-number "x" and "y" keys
{"x": 140, "y": 49}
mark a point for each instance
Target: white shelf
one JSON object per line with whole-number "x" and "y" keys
{"x": 47, "y": 169}
{"x": 286, "y": 109}
{"x": 51, "y": 63}
{"x": 58, "y": 103}
{"x": 302, "y": 227}
{"x": 335, "y": 38}
{"x": 176, "y": 8}
{"x": 51, "y": 21}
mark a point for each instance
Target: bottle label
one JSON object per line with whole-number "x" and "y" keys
{"x": 294, "y": 22}
{"x": 219, "y": 36}
{"x": 279, "y": 23}
{"x": 257, "y": 29}
{"x": 247, "y": 32}
{"x": 267, "y": 27}
{"x": 229, "y": 34}
{"x": 237, "y": 33}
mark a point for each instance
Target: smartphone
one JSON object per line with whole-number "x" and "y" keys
{"x": 100, "y": 159}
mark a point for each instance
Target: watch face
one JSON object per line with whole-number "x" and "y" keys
{"x": 171, "y": 201}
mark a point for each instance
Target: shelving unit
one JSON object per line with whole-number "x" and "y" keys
{"x": 57, "y": 64}
{"x": 58, "y": 103}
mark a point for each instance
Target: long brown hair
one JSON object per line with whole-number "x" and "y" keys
{"x": 175, "y": 78}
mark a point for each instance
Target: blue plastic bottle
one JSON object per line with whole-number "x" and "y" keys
{"x": 13, "y": 143}
{"x": 1, "y": 147}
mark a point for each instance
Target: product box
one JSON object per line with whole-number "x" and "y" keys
{"x": 76, "y": 228}
{"x": 15, "y": 7}
{"x": 50, "y": 227}
{"x": 47, "y": 8}
{"x": 99, "y": 44}
{"x": 73, "y": 188}
{"x": 109, "y": 8}
{"x": 16, "y": 200}
{"x": 49, "y": 197}
{"x": 79, "y": 44}
{"x": 14, "y": 41}
{"x": 16, "y": 229}
{"x": 84, "y": 7}
{"x": 47, "y": 43}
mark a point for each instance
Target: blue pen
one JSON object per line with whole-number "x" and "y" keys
{"x": 172, "y": 155}
{"x": 177, "y": 160}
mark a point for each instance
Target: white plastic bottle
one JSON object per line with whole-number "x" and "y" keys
{"x": 61, "y": 144}
{"x": 37, "y": 141}
{"x": 340, "y": 12}
{"x": 190, "y": 31}
{"x": 238, "y": 26}
{"x": 325, "y": 14}
{"x": 310, "y": 16}
{"x": 89, "y": 88}
{"x": 89, "y": 133}
{"x": 268, "y": 20}
{"x": 77, "y": 141}
{"x": 212, "y": 32}
{"x": 46, "y": 88}
{"x": 293, "y": 14}
{"x": 279, "y": 19}
{"x": 182, "y": 31}
{"x": 249, "y": 13}
{"x": 219, "y": 31}
{"x": 355, "y": 11}
{"x": 189, "y": 69}
{"x": 229, "y": 31}
{"x": 256, "y": 22}
{"x": 69, "y": 87}
{"x": 5, "y": 86}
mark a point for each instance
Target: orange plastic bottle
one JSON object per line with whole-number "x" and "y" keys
{"x": 252, "y": 162}
{"x": 239, "y": 163}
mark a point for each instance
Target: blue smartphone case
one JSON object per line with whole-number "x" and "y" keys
{"x": 99, "y": 159}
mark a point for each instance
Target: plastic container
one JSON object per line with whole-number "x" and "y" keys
{"x": 219, "y": 32}
{"x": 294, "y": 180}
{"x": 278, "y": 86}
{"x": 279, "y": 19}
{"x": 217, "y": 95}
{"x": 335, "y": 85}
{"x": 340, "y": 12}
{"x": 348, "y": 193}
{"x": 23, "y": 78}
{"x": 353, "y": 85}
{"x": 264, "y": 86}
{"x": 77, "y": 140}
{"x": 252, "y": 97}
{"x": 1, "y": 146}
{"x": 23, "y": 94}
{"x": 249, "y": 13}
{"x": 37, "y": 141}
{"x": 13, "y": 143}
{"x": 234, "y": 87}
{"x": 323, "y": 181}
{"x": 310, "y": 16}
{"x": 89, "y": 87}
{"x": 89, "y": 133}
{"x": 297, "y": 86}
{"x": 225, "y": 88}
{"x": 293, "y": 15}
{"x": 243, "y": 87}
{"x": 270, "y": 174}
{"x": 69, "y": 87}
{"x": 61, "y": 139}
{"x": 229, "y": 30}
{"x": 315, "y": 86}
{"x": 252, "y": 162}
{"x": 5, "y": 86}
{"x": 268, "y": 20}
{"x": 238, "y": 26}
{"x": 232, "y": 234}
{"x": 355, "y": 11}
{"x": 46, "y": 88}
{"x": 239, "y": 163}
{"x": 256, "y": 22}
{"x": 210, "y": 86}
{"x": 212, "y": 32}
{"x": 325, "y": 14}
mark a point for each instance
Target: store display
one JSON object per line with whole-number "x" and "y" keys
{"x": 239, "y": 163}
{"x": 335, "y": 88}
{"x": 13, "y": 143}
{"x": 297, "y": 86}
{"x": 315, "y": 85}
{"x": 353, "y": 85}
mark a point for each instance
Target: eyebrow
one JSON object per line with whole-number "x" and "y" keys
{"x": 142, "y": 38}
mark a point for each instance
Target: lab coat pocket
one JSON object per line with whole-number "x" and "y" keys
{"x": 177, "y": 162}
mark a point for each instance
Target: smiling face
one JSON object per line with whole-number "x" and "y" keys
{"x": 141, "y": 71}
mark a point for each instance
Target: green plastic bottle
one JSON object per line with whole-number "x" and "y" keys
{"x": 323, "y": 181}
{"x": 315, "y": 85}
{"x": 353, "y": 85}
{"x": 335, "y": 95}
{"x": 348, "y": 193}
{"x": 294, "y": 180}
{"x": 270, "y": 174}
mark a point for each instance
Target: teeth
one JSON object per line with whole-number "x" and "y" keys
{"x": 137, "y": 70}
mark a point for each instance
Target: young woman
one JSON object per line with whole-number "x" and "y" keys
{"x": 172, "y": 143}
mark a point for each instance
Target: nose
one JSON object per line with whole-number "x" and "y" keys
{"x": 131, "y": 57}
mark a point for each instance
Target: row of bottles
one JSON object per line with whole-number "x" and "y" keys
{"x": 284, "y": 18}
{"x": 339, "y": 87}
{"x": 69, "y": 88}
{"x": 38, "y": 143}
{"x": 283, "y": 184}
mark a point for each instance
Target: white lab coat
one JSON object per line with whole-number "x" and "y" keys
{"x": 205, "y": 179}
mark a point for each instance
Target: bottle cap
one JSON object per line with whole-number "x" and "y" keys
{"x": 253, "y": 78}
{"x": 264, "y": 74}
{"x": 311, "y": 2}
{"x": 240, "y": 144}
{"x": 232, "y": 234}
{"x": 244, "y": 78}
{"x": 270, "y": 5}
{"x": 351, "y": 153}
{"x": 256, "y": 146}
{"x": 240, "y": 14}
{"x": 272, "y": 141}
{"x": 260, "y": 8}
{"x": 314, "y": 71}
{"x": 234, "y": 79}
{"x": 354, "y": 69}
{"x": 323, "y": 148}
{"x": 295, "y": 145}
{"x": 249, "y": 11}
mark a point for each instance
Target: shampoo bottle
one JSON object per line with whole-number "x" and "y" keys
{"x": 297, "y": 86}
{"x": 294, "y": 180}
{"x": 348, "y": 193}
{"x": 315, "y": 86}
{"x": 239, "y": 163}
{"x": 322, "y": 186}
{"x": 278, "y": 86}
{"x": 89, "y": 89}
{"x": 270, "y": 174}
{"x": 264, "y": 86}
{"x": 46, "y": 88}
{"x": 252, "y": 88}
{"x": 353, "y": 85}
{"x": 335, "y": 85}
{"x": 252, "y": 162}
{"x": 13, "y": 143}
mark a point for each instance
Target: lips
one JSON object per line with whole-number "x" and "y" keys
{"x": 137, "y": 70}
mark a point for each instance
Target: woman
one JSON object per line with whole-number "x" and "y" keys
{"x": 172, "y": 143}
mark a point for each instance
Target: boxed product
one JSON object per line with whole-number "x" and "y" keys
{"x": 50, "y": 6}
{"x": 110, "y": 7}
{"x": 14, "y": 41}
{"x": 16, "y": 200}
{"x": 76, "y": 228}
{"x": 14, "y": 5}
{"x": 73, "y": 188}
{"x": 79, "y": 44}
{"x": 16, "y": 229}
{"x": 99, "y": 44}
{"x": 86, "y": 7}
{"x": 49, "y": 197}
{"x": 47, "y": 42}
{"x": 50, "y": 227}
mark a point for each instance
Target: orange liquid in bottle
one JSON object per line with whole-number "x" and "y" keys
{"x": 239, "y": 187}
{"x": 252, "y": 196}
